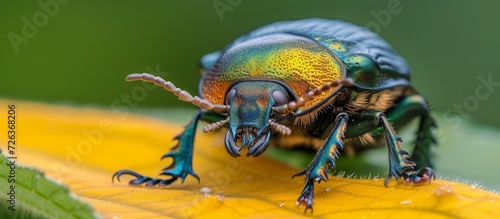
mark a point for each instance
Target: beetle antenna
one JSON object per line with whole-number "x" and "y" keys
{"x": 215, "y": 125}
{"x": 182, "y": 94}
{"x": 280, "y": 128}
{"x": 310, "y": 95}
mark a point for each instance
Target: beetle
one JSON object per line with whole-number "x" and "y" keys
{"x": 318, "y": 83}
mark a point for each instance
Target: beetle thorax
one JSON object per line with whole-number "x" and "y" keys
{"x": 297, "y": 62}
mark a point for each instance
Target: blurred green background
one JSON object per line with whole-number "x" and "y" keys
{"x": 79, "y": 52}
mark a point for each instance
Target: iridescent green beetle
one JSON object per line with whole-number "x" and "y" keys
{"x": 308, "y": 83}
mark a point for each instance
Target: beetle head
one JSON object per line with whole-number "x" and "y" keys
{"x": 251, "y": 106}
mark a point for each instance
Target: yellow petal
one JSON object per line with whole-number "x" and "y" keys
{"x": 84, "y": 147}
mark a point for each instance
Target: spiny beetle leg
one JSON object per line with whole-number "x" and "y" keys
{"x": 307, "y": 196}
{"x": 399, "y": 165}
{"x": 317, "y": 169}
{"x": 182, "y": 159}
{"x": 409, "y": 108}
{"x": 422, "y": 154}
{"x": 181, "y": 167}
{"x": 182, "y": 153}
{"x": 140, "y": 179}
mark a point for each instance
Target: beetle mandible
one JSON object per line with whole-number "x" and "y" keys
{"x": 314, "y": 82}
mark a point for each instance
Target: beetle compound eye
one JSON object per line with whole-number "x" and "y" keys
{"x": 230, "y": 95}
{"x": 280, "y": 98}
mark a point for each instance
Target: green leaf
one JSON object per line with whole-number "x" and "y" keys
{"x": 32, "y": 195}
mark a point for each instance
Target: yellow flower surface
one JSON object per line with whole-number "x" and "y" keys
{"x": 84, "y": 147}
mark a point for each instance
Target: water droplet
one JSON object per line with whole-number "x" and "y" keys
{"x": 405, "y": 202}
{"x": 206, "y": 191}
{"x": 443, "y": 190}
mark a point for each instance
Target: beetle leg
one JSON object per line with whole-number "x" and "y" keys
{"x": 181, "y": 166}
{"x": 421, "y": 176}
{"x": 399, "y": 165}
{"x": 422, "y": 153}
{"x": 317, "y": 169}
{"x": 307, "y": 196}
{"x": 406, "y": 110}
{"x": 414, "y": 169}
